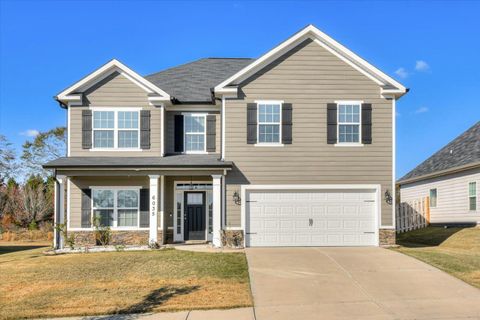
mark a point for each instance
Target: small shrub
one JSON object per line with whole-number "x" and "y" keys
{"x": 103, "y": 234}
{"x": 33, "y": 225}
{"x": 69, "y": 239}
{"x": 119, "y": 248}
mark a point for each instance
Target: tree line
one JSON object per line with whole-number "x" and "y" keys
{"x": 26, "y": 189}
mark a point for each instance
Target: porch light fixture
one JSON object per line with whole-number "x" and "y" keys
{"x": 236, "y": 198}
{"x": 388, "y": 197}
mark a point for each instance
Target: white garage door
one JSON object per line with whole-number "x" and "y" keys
{"x": 310, "y": 218}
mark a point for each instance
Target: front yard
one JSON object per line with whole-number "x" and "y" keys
{"x": 453, "y": 250}
{"x": 35, "y": 285}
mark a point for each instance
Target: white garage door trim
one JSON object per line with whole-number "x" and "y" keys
{"x": 376, "y": 187}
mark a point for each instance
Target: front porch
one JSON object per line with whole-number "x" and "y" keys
{"x": 140, "y": 206}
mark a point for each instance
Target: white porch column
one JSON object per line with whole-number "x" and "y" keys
{"x": 153, "y": 209}
{"x": 59, "y": 217}
{"x": 162, "y": 209}
{"x": 217, "y": 210}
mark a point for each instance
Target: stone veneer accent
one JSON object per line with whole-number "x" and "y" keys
{"x": 232, "y": 238}
{"x": 139, "y": 237}
{"x": 387, "y": 237}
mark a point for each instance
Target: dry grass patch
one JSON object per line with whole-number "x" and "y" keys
{"x": 453, "y": 250}
{"x": 35, "y": 285}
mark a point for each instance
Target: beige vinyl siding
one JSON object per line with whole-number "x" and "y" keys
{"x": 309, "y": 77}
{"x": 170, "y": 129}
{"x": 452, "y": 196}
{"x": 76, "y": 184}
{"x": 115, "y": 91}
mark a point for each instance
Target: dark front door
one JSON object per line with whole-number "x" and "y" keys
{"x": 195, "y": 216}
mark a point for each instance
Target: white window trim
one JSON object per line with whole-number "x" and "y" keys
{"x": 269, "y": 144}
{"x": 196, "y": 114}
{"x": 115, "y": 128}
{"x": 349, "y": 144}
{"x": 430, "y": 197}
{"x": 115, "y": 190}
{"x": 474, "y": 196}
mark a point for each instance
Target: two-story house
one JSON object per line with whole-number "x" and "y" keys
{"x": 295, "y": 148}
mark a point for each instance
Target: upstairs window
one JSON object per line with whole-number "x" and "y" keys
{"x": 433, "y": 198}
{"x": 116, "y": 129}
{"x": 103, "y": 129}
{"x": 128, "y": 129}
{"x": 195, "y": 132}
{"x": 269, "y": 120}
{"x": 349, "y": 119}
{"x": 472, "y": 196}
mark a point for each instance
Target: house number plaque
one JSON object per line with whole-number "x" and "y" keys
{"x": 153, "y": 205}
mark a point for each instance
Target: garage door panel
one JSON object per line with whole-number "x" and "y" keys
{"x": 287, "y": 211}
{"x": 311, "y": 218}
{"x": 319, "y": 224}
{"x": 366, "y": 225}
{"x": 287, "y": 225}
{"x": 319, "y": 238}
{"x": 333, "y": 210}
{"x": 318, "y": 210}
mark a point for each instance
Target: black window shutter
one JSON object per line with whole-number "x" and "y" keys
{"x": 251, "y": 123}
{"x": 178, "y": 133}
{"x": 287, "y": 123}
{"x": 145, "y": 129}
{"x": 86, "y": 208}
{"x": 366, "y": 123}
{"x": 331, "y": 123}
{"x": 211, "y": 132}
{"x": 86, "y": 129}
{"x": 144, "y": 208}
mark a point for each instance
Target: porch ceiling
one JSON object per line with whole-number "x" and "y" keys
{"x": 189, "y": 161}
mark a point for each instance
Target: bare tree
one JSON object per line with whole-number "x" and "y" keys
{"x": 46, "y": 146}
{"x": 36, "y": 203}
{"x": 11, "y": 202}
{"x": 8, "y": 164}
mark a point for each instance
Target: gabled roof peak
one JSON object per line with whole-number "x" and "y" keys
{"x": 71, "y": 94}
{"x": 388, "y": 85}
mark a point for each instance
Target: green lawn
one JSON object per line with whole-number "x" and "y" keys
{"x": 35, "y": 285}
{"x": 453, "y": 250}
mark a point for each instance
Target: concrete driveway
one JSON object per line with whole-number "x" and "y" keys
{"x": 354, "y": 283}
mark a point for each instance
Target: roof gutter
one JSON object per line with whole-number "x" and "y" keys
{"x": 61, "y": 103}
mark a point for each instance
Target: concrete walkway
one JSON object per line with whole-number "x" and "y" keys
{"x": 354, "y": 283}
{"x": 231, "y": 314}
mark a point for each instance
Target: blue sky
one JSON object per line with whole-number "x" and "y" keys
{"x": 431, "y": 47}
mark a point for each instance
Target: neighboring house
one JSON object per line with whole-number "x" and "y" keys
{"x": 294, "y": 148}
{"x": 451, "y": 178}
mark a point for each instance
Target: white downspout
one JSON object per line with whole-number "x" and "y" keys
{"x": 394, "y": 164}
{"x": 223, "y": 128}
{"x": 162, "y": 130}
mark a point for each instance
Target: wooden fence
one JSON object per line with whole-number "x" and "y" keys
{"x": 413, "y": 215}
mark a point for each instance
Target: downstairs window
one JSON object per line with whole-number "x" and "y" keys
{"x": 433, "y": 198}
{"x": 472, "y": 196}
{"x": 116, "y": 207}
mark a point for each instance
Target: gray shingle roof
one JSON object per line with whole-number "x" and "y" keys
{"x": 191, "y": 82}
{"x": 173, "y": 161}
{"x": 462, "y": 151}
